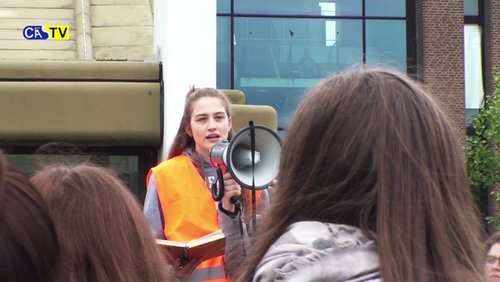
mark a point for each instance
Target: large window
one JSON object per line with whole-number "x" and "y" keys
{"x": 474, "y": 85}
{"x": 474, "y": 91}
{"x": 131, "y": 163}
{"x": 275, "y": 50}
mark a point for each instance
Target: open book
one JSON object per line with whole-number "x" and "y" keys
{"x": 206, "y": 247}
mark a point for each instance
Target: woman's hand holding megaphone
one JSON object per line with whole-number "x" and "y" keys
{"x": 273, "y": 187}
{"x": 231, "y": 189}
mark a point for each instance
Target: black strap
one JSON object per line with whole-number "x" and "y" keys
{"x": 252, "y": 148}
{"x": 218, "y": 188}
{"x": 237, "y": 210}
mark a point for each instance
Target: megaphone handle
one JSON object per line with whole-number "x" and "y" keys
{"x": 235, "y": 201}
{"x": 218, "y": 187}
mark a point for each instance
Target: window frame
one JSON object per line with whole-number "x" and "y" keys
{"x": 409, "y": 18}
{"x": 147, "y": 157}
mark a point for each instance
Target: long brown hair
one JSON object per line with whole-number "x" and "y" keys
{"x": 369, "y": 148}
{"x": 103, "y": 233}
{"x": 29, "y": 250}
{"x": 183, "y": 140}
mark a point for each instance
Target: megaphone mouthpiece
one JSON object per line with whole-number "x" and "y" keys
{"x": 243, "y": 157}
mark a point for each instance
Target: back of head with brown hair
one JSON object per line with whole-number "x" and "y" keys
{"x": 103, "y": 233}
{"x": 28, "y": 242}
{"x": 369, "y": 148}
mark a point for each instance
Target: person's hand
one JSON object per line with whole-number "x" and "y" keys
{"x": 272, "y": 188}
{"x": 184, "y": 269}
{"x": 231, "y": 189}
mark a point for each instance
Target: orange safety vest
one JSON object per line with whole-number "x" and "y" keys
{"x": 189, "y": 210}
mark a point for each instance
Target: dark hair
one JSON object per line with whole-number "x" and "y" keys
{"x": 28, "y": 242}
{"x": 369, "y": 148}
{"x": 104, "y": 235}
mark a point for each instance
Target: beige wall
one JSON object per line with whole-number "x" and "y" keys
{"x": 16, "y": 14}
{"x": 104, "y": 29}
{"x": 122, "y": 29}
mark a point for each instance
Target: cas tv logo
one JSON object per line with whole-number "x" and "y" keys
{"x": 46, "y": 32}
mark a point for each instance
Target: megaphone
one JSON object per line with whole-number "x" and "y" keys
{"x": 252, "y": 171}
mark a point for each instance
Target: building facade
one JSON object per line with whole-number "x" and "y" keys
{"x": 271, "y": 50}
{"x": 262, "y": 46}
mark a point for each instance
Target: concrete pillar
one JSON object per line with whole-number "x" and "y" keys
{"x": 185, "y": 42}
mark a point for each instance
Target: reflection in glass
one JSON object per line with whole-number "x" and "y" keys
{"x": 471, "y": 8}
{"x": 223, "y": 52}
{"x": 385, "y": 8}
{"x": 223, "y": 6}
{"x": 276, "y": 60}
{"x": 279, "y": 48}
{"x": 296, "y": 7}
{"x": 126, "y": 166}
{"x": 474, "y": 92}
{"x": 385, "y": 43}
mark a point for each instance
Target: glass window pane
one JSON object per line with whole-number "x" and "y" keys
{"x": 223, "y": 6}
{"x": 386, "y": 43}
{"x": 474, "y": 93}
{"x": 126, "y": 166}
{"x": 299, "y": 7}
{"x": 276, "y": 60}
{"x": 386, "y": 8}
{"x": 223, "y": 52}
{"x": 471, "y": 8}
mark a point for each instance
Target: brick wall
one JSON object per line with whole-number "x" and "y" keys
{"x": 440, "y": 55}
{"x": 491, "y": 42}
